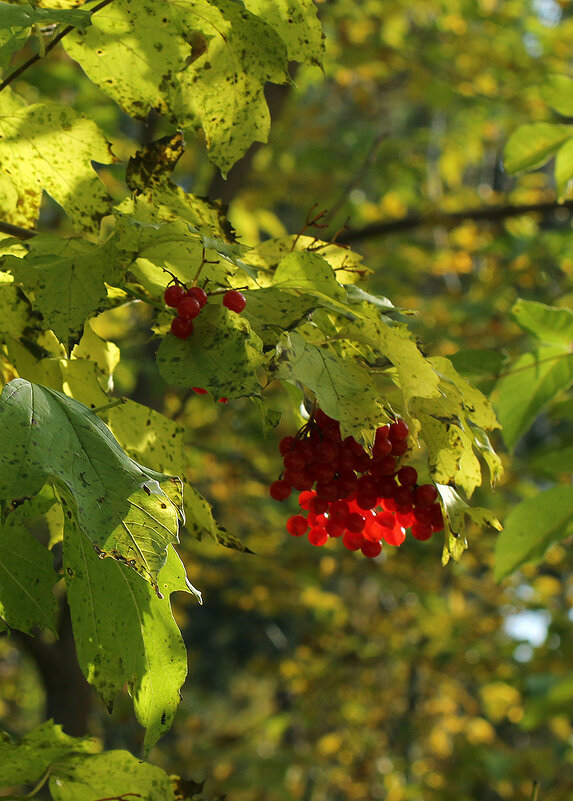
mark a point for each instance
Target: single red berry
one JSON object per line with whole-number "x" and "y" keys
{"x": 382, "y": 432}
{"x": 352, "y": 540}
{"x": 366, "y": 502}
{"x": 322, "y": 472}
{"x": 318, "y": 505}
{"x": 279, "y": 490}
{"x": 437, "y": 518}
{"x": 382, "y": 447}
{"x": 338, "y": 511}
{"x": 371, "y": 549}
{"x": 407, "y": 475}
{"x": 174, "y": 294}
{"x": 423, "y": 515}
{"x": 399, "y": 447}
{"x": 199, "y": 390}
{"x": 334, "y": 529}
{"x": 354, "y": 523}
{"x": 181, "y": 328}
{"x": 223, "y": 400}
{"x": 188, "y": 308}
{"x": 425, "y": 495}
{"x": 325, "y": 451}
{"x": 199, "y": 294}
{"x": 421, "y": 531}
{"x": 403, "y": 496}
{"x": 372, "y": 530}
{"x": 297, "y": 525}
{"x": 327, "y": 490}
{"x": 294, "y": 460}
{"x": 383, "y": 467}
{"x": 398, "y": 430}
{"x": 394, "y": 536}
{"x": 286, "y": 444}
{"x": 234, "y": 300}
{"x": 317, "y": 536}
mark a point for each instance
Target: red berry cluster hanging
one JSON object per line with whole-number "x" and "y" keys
{"x": 189, "y": 302}
{"x": 346, "y": 492}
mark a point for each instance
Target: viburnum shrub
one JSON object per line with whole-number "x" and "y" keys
{"x": 363, "y": 498}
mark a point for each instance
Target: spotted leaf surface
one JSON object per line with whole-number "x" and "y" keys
{"x": 200, "y": 62}
{"x": 125, "y": 632}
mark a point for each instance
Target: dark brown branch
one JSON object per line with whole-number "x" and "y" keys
{"x": 15, "y": 230}
{"x": 50, "y": 46}
{"x": 450, "y": 220}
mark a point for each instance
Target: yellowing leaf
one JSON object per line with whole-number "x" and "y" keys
{"x": 296, "y": 23}
{"x": 50, "y": 147}
{"x": 531, "y": 145}
{"x": 198, "y": 62}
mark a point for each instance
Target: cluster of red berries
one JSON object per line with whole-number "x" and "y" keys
{"x": 189, "y": 302}
{"x": 346, "y": 492}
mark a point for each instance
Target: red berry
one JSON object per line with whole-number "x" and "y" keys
{"x": 407, "y": 476}
{"x": 382, "y": 447}
{"x": 382, "y": 432}
{"x": 188, "y": 308}
{"x": 297, "y": 525}
{"x": 181, "y": 328}
{"x": 403, "y": 496}
{"x": 223, "y": 400}
{"x": 398, "y": 430}
{"x": 354, "y": 523}
{"x": 421, "y": 531}
{"x": 174, "y": 294}
{"x": 394, "y": 536}
{"x": 318, "y": 505}
{"x": 425, "y": 495}
{"x": 366, "y": 502}
{"x": 327, "y": 490}
{"x": 317, "y": 536}
{"x": 294, "y": 460}
{"x": 325, "y": 451}
{"x": 305, "y": 498}
{"x": 279, "y": 490}
{"x": 199, "y": 390}
{"x": 352, "y": 541}
{"x": 338, "y": 511}
{"x": 334, "y": 529}
{"x": 384, "y": 466}
{"x": 371, "y": 549}
{"x": 399, "y": 447}
{"x": 234, "y": 300}
{"x": 286, "y": 444}
{"x": 322, "y": 472}
{"x": 199, "y": 294}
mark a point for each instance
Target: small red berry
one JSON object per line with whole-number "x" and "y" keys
{"x": 297, "y": 525}
{"x": 188, "y": 308}
{"x": 234, "y": 300}
{"x": 181, "y": 328}
{"x": 279, "y": 490}
{"x": 425, "y": 495}
{"x": 223, "y": 400}
{"x": 398, "y": 430}
{"x": 174, "y": 294}
{"x": 199, "y": 294}
{"x": 371, "y": 549}
{"x": 286, "y": 444}
{"x": 317, "y": 536}
{"x": 199, "y": 390}
{"x": 407, "y": 475}
{"x": 421, "y": 531}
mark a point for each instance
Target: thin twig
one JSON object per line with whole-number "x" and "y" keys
{"x": 486, "y": 213}
{"x": 50, "y": 46}
{"x": 357, "y": 178}
{"x": 17, "y": 231}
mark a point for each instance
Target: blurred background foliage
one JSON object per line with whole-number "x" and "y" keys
{"x": 316, "y": 675}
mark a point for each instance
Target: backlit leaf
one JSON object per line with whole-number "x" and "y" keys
{"x": 532, "y": 145}
{"x": 546, "y": 323}
{"x": 297, "y": 25}
{"x": 531, "y": 527}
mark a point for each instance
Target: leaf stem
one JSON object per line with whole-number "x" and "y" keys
{"x": 50, "y": 46}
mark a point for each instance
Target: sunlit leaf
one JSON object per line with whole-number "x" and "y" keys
{"x": 532, "y": 145}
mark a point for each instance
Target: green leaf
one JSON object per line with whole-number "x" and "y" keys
{"x": 111, "y": 773}
{"x": 309, "y": 273}
{"x": 67, "y": 278}
{"x": 296, "y": 23}
{"x": 27, "y": 761}
{"x": 27, "y": 576}
{"x": 455, "y": 511}
{"x": 343, "y": 388}
{"x": 124, "y": 632}
{"x": 564, "y": 169}
{"x": 555, "y": 461}
{"x": 51, "y": 147}
{"x": 478, "y": 362}
{"x": 126, "y": 511}
{"x": 27, "y": 15}
{"x": 271, "y": 311}
{"x": 474, "y": 404}
{"x": 14, "y": 311}
{"x": 355, "y": 294}
{"x": 531, "y": 527}
{"x": 557, "y": 91}
{"x": 198, "y": 62}
{"x": 416, "y": 376}
{"x": 532, "y": 145}
{"x": 546, "y": 323}
{"x": 222, "y": 355}
{"x": 531, "y": 383}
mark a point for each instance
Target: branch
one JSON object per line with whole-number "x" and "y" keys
{"x": 451, "y": 219}
{"x": 15, "y": 230}
{"x": 50, "y": 46}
